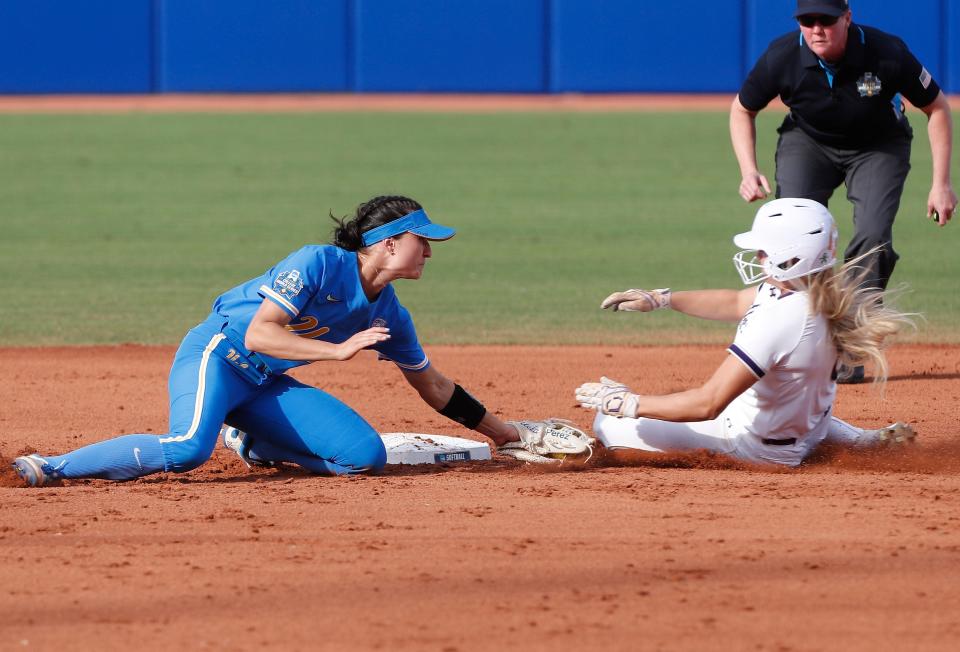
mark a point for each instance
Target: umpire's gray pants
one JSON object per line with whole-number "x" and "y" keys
{"x": 874, "y": 178}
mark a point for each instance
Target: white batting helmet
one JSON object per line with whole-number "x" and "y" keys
{"x": 798, "y": 237}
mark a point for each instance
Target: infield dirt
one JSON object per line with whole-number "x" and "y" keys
{"x": 683, "y": 552}
{"x": 853, "y": 552}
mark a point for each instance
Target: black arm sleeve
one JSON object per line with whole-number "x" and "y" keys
{"x": 463, "y": 408}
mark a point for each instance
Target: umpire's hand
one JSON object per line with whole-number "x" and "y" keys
{"x": 754, "y": 186}
{"x": 941, "y": 204}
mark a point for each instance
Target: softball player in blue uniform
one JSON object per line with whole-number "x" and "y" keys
{"x": 320, "y": 303}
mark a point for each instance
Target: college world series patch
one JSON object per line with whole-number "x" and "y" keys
{"x": 869, "y": 85}
{"x": 288, "y": 284}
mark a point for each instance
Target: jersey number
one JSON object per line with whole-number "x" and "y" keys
{"x": 307, "y": 327}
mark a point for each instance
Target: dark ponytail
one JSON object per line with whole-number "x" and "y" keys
{"x": 348, "y": 234}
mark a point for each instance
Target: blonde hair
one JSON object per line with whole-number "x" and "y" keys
{"x": 861, "y": 319}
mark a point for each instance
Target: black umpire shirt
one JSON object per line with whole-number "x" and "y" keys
{"x": 850, "y": 104}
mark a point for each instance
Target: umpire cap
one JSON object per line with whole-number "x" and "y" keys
{"x": 821, "y": 7}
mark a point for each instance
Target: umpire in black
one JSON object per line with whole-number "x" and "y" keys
{"x": 843, "y": 84}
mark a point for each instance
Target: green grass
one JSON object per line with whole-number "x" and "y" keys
{"x": 124, "y": 228}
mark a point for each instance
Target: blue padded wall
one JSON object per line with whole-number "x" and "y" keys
{"x": 446, "y": 45}
{"x": 766, "y": 20}
{"x": 951, "y": 31}
{"x": 252, "y": 45}
{"x": 917, "y": 23}
{"x": 625, "y": 45}
{"x": 95, "y": 46}
{"x": 510, "y": 46}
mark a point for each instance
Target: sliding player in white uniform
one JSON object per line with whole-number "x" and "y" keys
{"x": 771, "y": 400}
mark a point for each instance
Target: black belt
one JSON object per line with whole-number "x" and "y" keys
{"x": 780, "y": 442}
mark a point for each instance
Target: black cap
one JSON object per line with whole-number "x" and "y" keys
{"x": 821, "y": 7}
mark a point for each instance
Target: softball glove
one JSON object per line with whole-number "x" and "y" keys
{"x": 548, "y": 441}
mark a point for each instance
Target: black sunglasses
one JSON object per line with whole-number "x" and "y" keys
{"x": 810, "y": 21}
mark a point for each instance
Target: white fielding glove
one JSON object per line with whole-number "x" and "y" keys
{"x": 638, "y": 300}
{"x": 609, "y": 397}
{"x": 548, "y": 441}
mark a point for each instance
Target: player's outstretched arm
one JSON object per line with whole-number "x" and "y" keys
{"x": 453, "y": 402}
{"x": 719, "y": 305}
{"x": 730, "y": 380}
{"x": 530, "y": 441}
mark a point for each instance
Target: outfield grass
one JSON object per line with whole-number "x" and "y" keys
{"x": 124, "y": 228}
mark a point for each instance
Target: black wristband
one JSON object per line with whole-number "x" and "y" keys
{"x": 463, "y": 408}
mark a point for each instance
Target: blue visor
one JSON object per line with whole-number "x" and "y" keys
{"x": 416, "y": 222}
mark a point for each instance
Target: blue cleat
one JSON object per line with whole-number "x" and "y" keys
{"x": 33, "y": 470}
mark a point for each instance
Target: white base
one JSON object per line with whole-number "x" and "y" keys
{"x": 419, "y": 448}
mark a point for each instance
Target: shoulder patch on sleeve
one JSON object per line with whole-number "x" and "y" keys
{"x": 288, "y": 284}
{"x": 925, "y": 78}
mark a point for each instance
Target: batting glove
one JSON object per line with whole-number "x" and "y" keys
{"x": 638, "y": 300}
{"x": 609, "y": 397}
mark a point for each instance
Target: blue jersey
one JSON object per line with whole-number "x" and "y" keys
{"x": 215, "y": 380}
{"x": 319, "y": 287}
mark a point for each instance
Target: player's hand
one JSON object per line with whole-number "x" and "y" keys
{"x": 609, "y": 397}
{"x": 636, "y": 300}
{"x": 941, "y": 204}
{"x": 754, "y": 186}
{"x": 362, "y": 340}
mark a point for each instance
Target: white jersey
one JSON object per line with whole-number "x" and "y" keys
{"x": 782, "y": 417}
{"x": 791, "y": 353}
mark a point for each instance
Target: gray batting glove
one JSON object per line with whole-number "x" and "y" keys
{"x": 636, "y": 300}
{"x": 609, "y": 397}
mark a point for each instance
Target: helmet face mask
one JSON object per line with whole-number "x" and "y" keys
{"x": 750, "y": 267}
{"x": 796, "y": 237}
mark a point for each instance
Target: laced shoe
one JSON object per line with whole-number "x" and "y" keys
{"x": 892, "y": 436}
{"x": 239, "y": 442}
{"x": 34, "y": 470}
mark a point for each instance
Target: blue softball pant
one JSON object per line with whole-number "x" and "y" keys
{"x": 293, "y": 421}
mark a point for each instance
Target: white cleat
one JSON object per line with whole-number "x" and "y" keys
{"x": 895, "y": 435}
{"x": 236, "y": 440}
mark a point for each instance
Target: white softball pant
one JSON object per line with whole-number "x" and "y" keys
{"x": 667, "y": 436}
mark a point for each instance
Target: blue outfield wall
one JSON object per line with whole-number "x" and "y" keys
{"x": 251, "y": 45}
{"x": 625, "y": 45}
{"x": 512, "y": 46}
{"x": 951, "y": 53}
{"x": 449, "y": 45}
{"x": 58, "y": 46}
